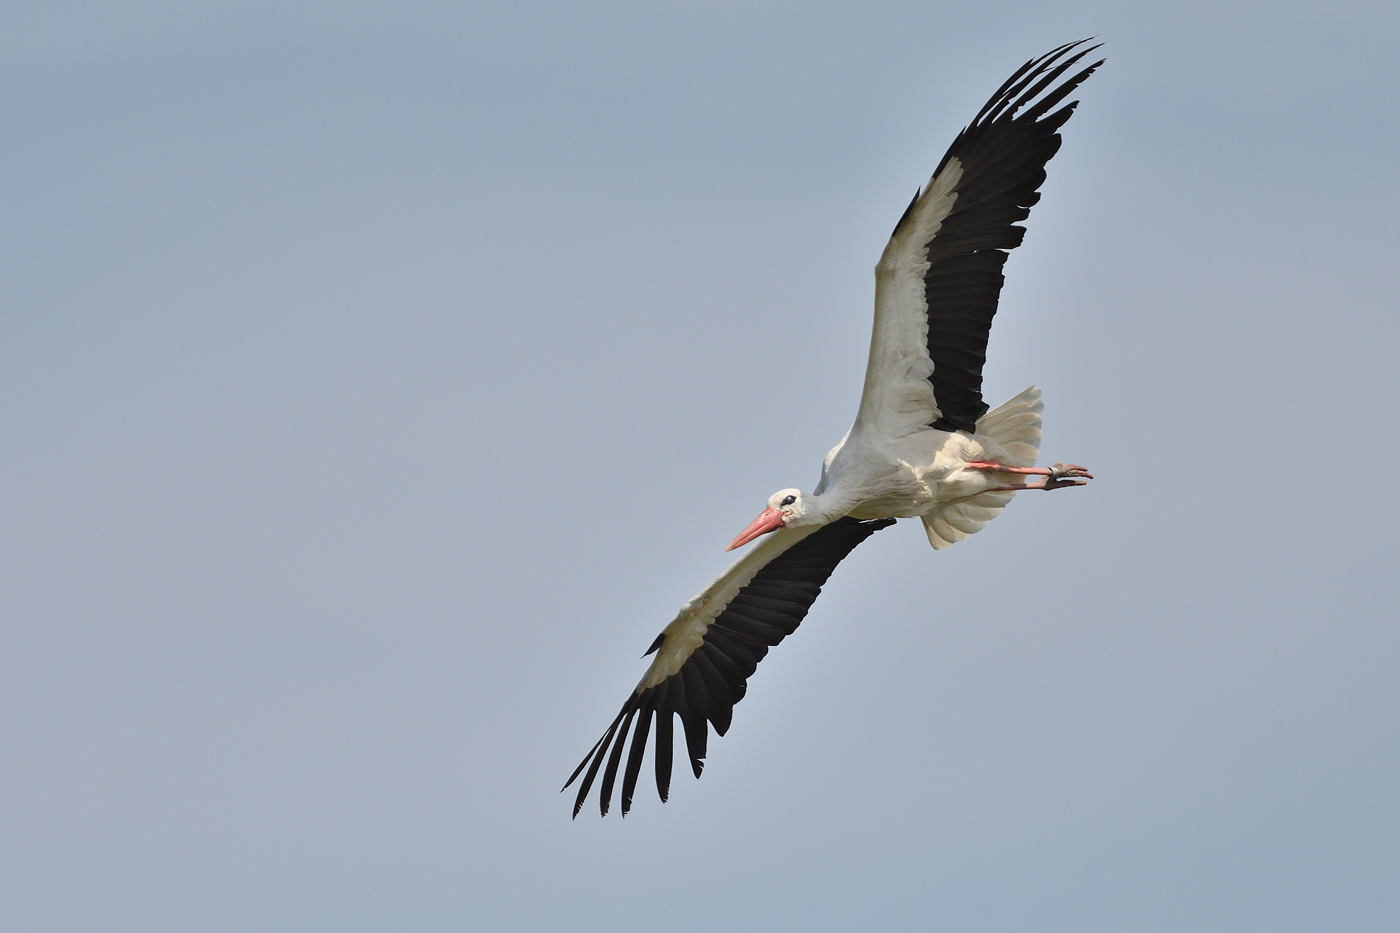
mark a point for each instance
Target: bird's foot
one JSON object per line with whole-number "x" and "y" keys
{"x": 1060, "y": 471}
{"x": 1059, "y": 476}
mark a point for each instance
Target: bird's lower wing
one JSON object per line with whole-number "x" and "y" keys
{"x": 705, "y": 657}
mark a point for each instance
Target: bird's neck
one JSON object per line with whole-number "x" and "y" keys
{"x": 829, "y": 506}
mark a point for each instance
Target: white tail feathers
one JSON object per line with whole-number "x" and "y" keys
{"x": 1014, "y": 427}
{"x": 1011, "y": 435}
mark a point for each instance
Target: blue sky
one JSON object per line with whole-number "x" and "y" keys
{"x": 376, "y": 380}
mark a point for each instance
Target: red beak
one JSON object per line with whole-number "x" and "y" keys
{"x": 768, "y": 520}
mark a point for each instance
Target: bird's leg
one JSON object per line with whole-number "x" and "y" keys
{"x": 1043, "y": 484}
{"x": 1059, "y": 476}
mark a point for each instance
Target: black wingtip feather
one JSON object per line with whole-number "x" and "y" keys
{"x": 905, "y": 216}
{"x": 634, "y": 757}
{"x": 665, "y": 740}
{"x": 602, "y": 748}
{"x": 582, "y": 764}
{"x": 610, "y": 772}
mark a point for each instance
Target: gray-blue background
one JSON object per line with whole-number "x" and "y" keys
{"x": 376, "y": 379}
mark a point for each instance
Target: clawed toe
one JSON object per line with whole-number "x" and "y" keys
{"x": 1061, "y": 470}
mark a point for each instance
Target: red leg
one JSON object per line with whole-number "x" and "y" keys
{"x": 991, "y": 467}
{"x": 1054, "y": 473}
{"x": 1043, "y": 484}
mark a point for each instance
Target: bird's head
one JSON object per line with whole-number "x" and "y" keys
{"x": 785, "y": 507}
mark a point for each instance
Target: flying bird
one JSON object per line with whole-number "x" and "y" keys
{"x": 923, "y": 443}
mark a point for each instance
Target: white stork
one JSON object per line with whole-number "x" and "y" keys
{"x": 923, "y": 443}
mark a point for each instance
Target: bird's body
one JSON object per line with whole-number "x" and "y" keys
{"x": 870, "y": 476}
{"x": 923, "y": 443}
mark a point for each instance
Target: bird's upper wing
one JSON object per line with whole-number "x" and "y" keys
{"x": 937, "y": 283}
{"x": 705, "y": 657}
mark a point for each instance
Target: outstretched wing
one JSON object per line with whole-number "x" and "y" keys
{"x": 705, "y": 657}
{"x": 938, "y": 281}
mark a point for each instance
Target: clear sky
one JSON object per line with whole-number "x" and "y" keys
{"x": 377, "y": 379}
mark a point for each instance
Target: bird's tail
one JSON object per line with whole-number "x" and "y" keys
{"x": 1013, "y": 430}
{"x": 1014, "y": 426}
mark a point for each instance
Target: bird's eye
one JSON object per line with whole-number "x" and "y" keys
{"x": 789, "y": 500}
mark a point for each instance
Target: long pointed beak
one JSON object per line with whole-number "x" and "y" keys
{"x": 769, "y": 519}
